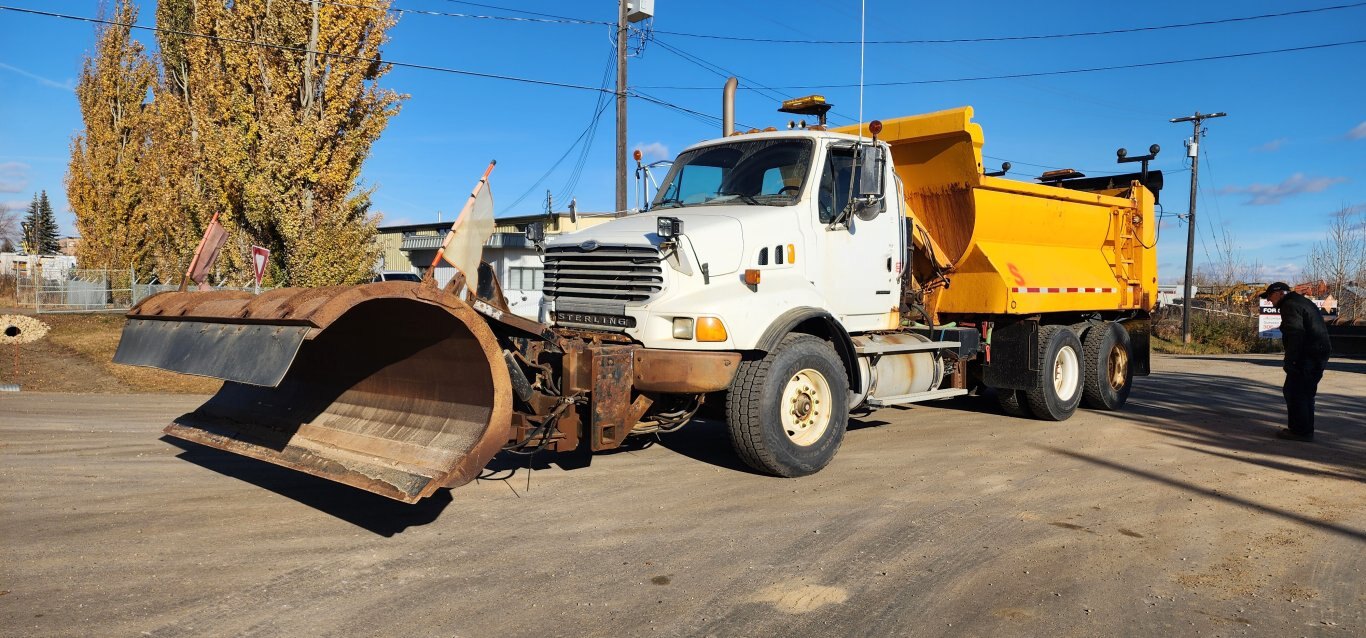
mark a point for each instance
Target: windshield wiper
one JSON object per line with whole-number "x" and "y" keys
{"x": 748, "y": 199}
{"x": 666, "y": 201}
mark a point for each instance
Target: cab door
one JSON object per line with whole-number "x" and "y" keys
{"x": 860, "y": 276}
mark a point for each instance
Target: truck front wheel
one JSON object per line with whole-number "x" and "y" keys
{"x": 1058, "y": 390}
{"x": 788, "y": 411}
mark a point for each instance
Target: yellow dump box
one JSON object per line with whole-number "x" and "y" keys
{"x": 1008, "y": 247}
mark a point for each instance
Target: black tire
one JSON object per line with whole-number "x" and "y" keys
{"x": 1012, "y": 402}
{"x": 756, "y": 420}
{"x": 1108, "y": 373}
{"x": 1057, "y": 392}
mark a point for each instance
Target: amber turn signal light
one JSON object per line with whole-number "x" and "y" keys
{"x": 711, "y": 329}
{"x": 752, "y": 276}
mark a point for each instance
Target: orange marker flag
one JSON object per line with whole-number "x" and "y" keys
{"x": 463, "y": 246}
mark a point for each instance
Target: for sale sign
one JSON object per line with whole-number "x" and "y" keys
{"x": 1268, "y": 321}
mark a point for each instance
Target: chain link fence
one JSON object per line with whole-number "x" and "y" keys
{"x": 87, "y": 290}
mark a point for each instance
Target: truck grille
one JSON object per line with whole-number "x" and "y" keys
{"x": 608, "y": 273}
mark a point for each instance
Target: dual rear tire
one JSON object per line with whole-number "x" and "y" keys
{"x": 1093, "y": 371}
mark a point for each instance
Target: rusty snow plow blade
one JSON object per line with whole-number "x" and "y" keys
{"x": 396, "y": 388}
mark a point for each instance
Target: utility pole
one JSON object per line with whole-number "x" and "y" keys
{"x": 1193, "y": 152}
{"x": 622, "y": 35}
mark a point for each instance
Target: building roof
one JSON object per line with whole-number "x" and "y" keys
{"x": 504, "y": 224}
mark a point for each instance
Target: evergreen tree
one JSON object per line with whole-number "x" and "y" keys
{"x": 46, "y": 238}
{"x": 28, "y": 240}
{"x": 40, "y": 228}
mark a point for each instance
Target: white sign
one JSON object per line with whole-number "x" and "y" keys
{"x": 1268, "y": 321}
{"x": 259, "y": 258}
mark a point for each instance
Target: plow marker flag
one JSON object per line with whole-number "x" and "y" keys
{"x": 463, "y": 246}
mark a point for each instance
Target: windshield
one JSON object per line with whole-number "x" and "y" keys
{"x": 756, "y": 172}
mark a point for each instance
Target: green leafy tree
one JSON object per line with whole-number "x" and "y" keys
{"x": 271, "y": 138}
{"x": 103, "y": 184}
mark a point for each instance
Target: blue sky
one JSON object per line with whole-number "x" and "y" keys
{"x": 1291, "y": 151}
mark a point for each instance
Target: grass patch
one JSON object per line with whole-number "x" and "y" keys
{"x": 77, "y": 356}
{"x": 1211, "y": 333}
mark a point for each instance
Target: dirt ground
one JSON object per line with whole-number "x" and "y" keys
{"x": 77, "y": 356}
{"x": 1180, "y": 516}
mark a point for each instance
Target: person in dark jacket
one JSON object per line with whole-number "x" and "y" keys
{"x": 1306, "y": 354}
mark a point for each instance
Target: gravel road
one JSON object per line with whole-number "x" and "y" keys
{"x": 1181, "y": 515}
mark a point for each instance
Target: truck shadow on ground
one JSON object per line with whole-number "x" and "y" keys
{"x": 1241, "y": 417}
{"x": 1336, "y": 364}
{"x": 377, "y": 514}
{"x": 706, "y": 440}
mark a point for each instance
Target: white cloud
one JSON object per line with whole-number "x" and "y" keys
{"x": 1357, "y": 132}
{"x": 1286, "y": 271}
{"x": 69, "y": 85}
{"x": 1297, "y": 184}
{"x": 13, "y": 177}
{"x": 1272, "y": 146}
{"x": 653, "y": 151}
{"x": 14, "y": 205}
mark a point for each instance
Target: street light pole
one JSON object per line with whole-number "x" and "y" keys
{"x": 1192, "y": 151}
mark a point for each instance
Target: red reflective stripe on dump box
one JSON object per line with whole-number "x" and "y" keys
{"x": 1048, "y": 290}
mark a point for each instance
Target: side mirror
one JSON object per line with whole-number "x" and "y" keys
{"x": 868, "y": 199}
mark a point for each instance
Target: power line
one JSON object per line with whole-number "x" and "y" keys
{"x": 1013, "y": 38}
{"x": 721, "y": 71}
{"x": 446, "y": 14}
{"x": 282, "y": 47}
{"x": 705, "y": 118}
{"x": 530, "y": 13}
{"x": 1037, "y": 73}
{"x": 598, "y": 108}
{"x": 567, "y": 190}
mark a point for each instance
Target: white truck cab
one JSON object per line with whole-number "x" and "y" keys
{"x": 743, "y": 230}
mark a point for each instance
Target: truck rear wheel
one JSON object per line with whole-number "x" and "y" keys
{"x": 787, "y": 412}
{"x": 1108, "y": 373}
{"x": 1058, "y": 391}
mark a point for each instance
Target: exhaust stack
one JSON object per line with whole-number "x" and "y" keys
{"x": 728, "y": 107}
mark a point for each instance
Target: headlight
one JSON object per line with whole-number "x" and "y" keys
{"x": 682, "y": 327}
{"x": 669, "y": 227}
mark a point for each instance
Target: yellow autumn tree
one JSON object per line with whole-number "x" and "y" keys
{"x": 103, "y": 183}
{"x": 268, "y": 124}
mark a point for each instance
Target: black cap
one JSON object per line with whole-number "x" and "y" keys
{"x": 1279, "y": 286}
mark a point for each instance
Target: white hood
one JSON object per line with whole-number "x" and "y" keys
{"x": 714, "y": 237}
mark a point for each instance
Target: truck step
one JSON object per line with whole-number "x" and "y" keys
{"x": 920, "y": 396}
{"x": 894, "y": 348}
